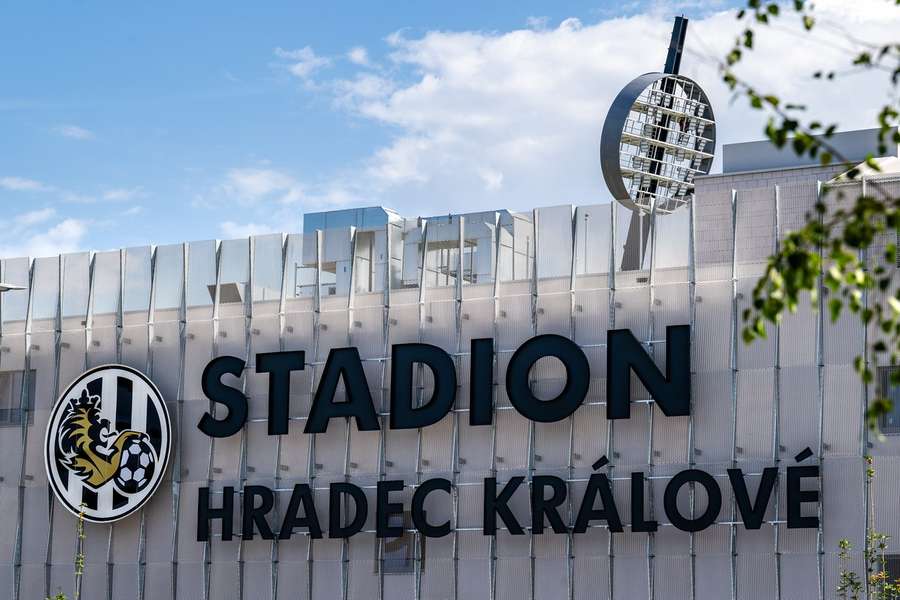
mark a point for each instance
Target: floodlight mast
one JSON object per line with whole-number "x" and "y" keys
{"x": 639, "y": 231}
{"x": 676, "y": 46}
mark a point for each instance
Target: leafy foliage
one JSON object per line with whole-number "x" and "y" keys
{"x": 830, "y": 253}
{"x": 78, "y": 560}
{"x": 876, "y": 585}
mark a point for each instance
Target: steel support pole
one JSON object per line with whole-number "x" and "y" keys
{"x": 24, "y": 409}
{"x": 734, "y": 388}
{"x": 278, "y": 441}
{"x": 207, "y": 548}
{"x": 776, "y": 412}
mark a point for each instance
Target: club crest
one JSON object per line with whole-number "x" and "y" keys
{"x": 107, "y": 443}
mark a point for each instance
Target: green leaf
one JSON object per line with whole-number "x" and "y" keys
{"x": 748, "y": 335}
{"x": 894, "y": 304}
{"x": 834, "y": 308}
{"x": 864, "y": 58}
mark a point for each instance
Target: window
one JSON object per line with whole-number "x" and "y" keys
{"x": 892, "y": 567}
{"x": 399, "y": 552}
{"x": 11, "y": 400}
{"x": 890, "y": 422}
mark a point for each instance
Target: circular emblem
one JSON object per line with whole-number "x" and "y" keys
{"x": 659, "y": 135}
{"x": 108, "y": 443}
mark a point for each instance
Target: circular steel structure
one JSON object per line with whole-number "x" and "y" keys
{"x": 659, "y": 135}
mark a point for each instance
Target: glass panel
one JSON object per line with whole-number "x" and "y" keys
{"x": 410, "y": 241}
{"x": 106, "y": 283}
{"x": 370, "y": 257}
{"x": 516, "y": 246}
{"x": 554, "y": 238}
{"x": 301, "y": 275}
{"x": 11, "y": 397}
{"x": 43, "y": 361}
{"x": 672, "y": 235}
{"x": 442, "y": 253}
{"x": 75, "y": 286}
{"x": 201, "y": 280}
{"x": 15, "y": 302}
{"x": 267, "y": 267}
{"x": 168, "y": 281}
{"x": 46, "y": 294}
{"x": 399, "y": 553}
{"x": 593, "y": 228}
{"x": 335, "y": 251}
{"x": 479, "y": 248}
{"x": 622, "y": 217}
{"x": 235, "y": 272}
{"x": 136, "y": 293}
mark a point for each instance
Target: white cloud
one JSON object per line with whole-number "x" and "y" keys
{"x": 232, "y": 230}
{"x": 493, "y": 180}
{"x": 21, "y": 184}
{"x": 120, "y": 194}
{"x": 65, "y": 236}
{"x": 350, "y": 93}
{"x": 274, "y": 200}
{"x": 303, "y": 62}
{"x": 252, "y": 185}
{"x": 132, "y": 211}
{"x": 108, "y": 195}
{"x": 34, "y": 217}
{"x": 77, "y": 198}
{"x": 75, "y": 132}
{"x": 537, "y": 22}
{"x": 513, "y": 120}
{"x": 358, "y": 56}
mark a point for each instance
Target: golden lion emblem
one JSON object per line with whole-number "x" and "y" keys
{"x": 91, "y": 448}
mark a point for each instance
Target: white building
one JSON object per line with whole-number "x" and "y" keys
{"x": 370, "y": 278}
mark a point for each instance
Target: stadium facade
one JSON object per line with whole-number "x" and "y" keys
{"x": 373, "y": 280}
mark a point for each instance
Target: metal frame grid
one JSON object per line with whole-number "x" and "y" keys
{"x": 681, "y": 160}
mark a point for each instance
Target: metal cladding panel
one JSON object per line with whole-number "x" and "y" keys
{"x": 714, "y": 226}
{"x": 843, "y": 411}
{"x": 755, "y": 390}
{"x": 712, "y": 413}
{"x": 46, "y": 290}
{"x": 16, "y": 271}
{"x": 712, "y": 328}
{"x": 754, "y": 230}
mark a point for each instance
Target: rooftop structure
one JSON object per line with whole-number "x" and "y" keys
{"x": 855, "y": 146}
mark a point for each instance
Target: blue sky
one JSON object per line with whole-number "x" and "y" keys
{"x": 130, "y": 124}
